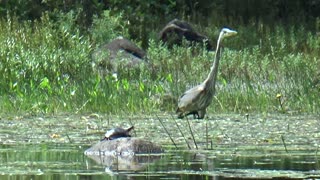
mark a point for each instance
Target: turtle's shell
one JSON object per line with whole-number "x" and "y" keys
{"x": 117, "y": 133}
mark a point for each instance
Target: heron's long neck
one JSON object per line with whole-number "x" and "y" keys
{"x": 212, "y": 77}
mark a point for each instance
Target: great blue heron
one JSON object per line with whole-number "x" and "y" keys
{"x": 196, "y": 100}
{"x": 117, "y": 133}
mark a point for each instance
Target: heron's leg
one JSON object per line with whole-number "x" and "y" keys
{"x": 197, "y": 114}
{"x": 201, "y": 113}
{"x": 194, "y": 113}
{"x": 181, "y": 115}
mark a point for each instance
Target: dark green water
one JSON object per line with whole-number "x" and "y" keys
{"x": 261, "y": 147}
{"x": 67, "y": 161}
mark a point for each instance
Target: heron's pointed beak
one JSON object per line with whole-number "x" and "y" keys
{"x": 231, "y": 33}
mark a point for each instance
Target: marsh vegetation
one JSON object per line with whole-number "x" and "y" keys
{"x": 46, "y": 67}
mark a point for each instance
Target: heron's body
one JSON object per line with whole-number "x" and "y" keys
{"x": 191, "y": 101}
{"x": 196, "y": 100}
{"x": 117, "y": 133}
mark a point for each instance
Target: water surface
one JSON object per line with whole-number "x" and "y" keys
{"x": 229, "y": 146}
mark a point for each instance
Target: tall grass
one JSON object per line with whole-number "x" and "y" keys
{"x": 46, "y": 68}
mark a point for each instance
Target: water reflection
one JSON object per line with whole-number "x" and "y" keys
{"x": 128, "y": 163}
{"x": 61, "y": 161}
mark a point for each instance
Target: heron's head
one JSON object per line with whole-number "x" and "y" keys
{"x": 226, "y": 32}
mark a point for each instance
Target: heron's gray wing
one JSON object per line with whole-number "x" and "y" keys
{"x": 190, "y": 96}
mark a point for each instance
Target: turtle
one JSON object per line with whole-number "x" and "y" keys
{"x": 117, "y": 133}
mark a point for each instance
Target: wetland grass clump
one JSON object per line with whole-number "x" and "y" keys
{"x": 46, "y": 68}
{"x": 41, "y": 63}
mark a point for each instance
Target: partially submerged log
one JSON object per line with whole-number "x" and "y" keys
{"x": 123, "y": 147}
{"x": 126, "y": 153}
{"x": 132, "y": 163}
